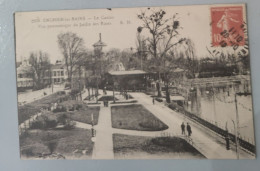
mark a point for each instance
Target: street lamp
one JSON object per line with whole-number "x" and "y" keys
{"x": 214, "y": 100}
{"x": 236, "y": 126}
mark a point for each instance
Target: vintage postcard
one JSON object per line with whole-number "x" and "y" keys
{"x": 167, "y": 82}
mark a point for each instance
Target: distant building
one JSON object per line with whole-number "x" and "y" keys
{"x": 59, "y": 73}
{"x": 24, "y": 76}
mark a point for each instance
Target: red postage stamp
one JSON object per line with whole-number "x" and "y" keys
{"x": 227, "y": 26}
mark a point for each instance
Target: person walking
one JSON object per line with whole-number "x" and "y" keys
{"x": 153, "y": 100}
{"x": 183, "y": 128}
{"x": 189, "y": 129}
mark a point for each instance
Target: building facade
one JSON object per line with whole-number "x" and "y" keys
{"x": 24, "y": 76}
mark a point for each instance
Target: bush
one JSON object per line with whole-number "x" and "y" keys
{"x": 107, "y": 98}
{"x": 78, "y": 106}
{"x": 62, "y": 119}
{"x": 28, "y": 152}
{"x": 71, "y": 109}
{"x": 69, "y": 124}
{"x": 176, "y": 107}
{"x": 61, "y": 92}
{"x": 52, "y": 146}
{"x": 44, "y": 124}
{"x": 50, "y": 123}
{"x": 60, "y": 109}
{"x": 37, "y": 125}
{"x": 159, "y": 99}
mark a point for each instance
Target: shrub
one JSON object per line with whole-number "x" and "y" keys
{"x": 60, "y": 109}
{"x": 28, "y": 152}
{"x": 71, "y": 109}
{"x": 69, "y": 124}
{"x": 159, "y": 99}
{"x": 61, "y": 92}
{"x": 78, "y": 106}
{"x": 50, "y": 123}
{"x": 176, "y": 107}
{"x": 37, "y": 125}
{"x": 62, "y": 119}
{"x": 52, "y": 146}
{"x": 43, "y": 124}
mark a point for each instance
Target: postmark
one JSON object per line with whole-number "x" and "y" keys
{"x": 227, "y": 26}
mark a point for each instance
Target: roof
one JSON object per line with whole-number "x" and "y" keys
{"x": 131, "y": 72}
{"x": 179, "y": 70}
{"x": 24, "y": 69}
{"x": 57, "y": 66}
{"x": 177, "y": 98}
{"x": 99, "y": 43}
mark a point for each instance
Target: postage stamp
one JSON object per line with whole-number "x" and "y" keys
{"x": 227, "y": 26}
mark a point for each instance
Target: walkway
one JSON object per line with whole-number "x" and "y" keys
{"x": 30, "y": 96}
{"x": 103, "y": 148}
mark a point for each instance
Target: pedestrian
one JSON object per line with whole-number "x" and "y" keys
{"x": 183, "y": 128}
{"x": 153, "y": 100}
{"x": 189, "y": 129}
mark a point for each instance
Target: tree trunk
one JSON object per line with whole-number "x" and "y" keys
{"x": 168, "y": 98}
{"x": 158, "y": 86}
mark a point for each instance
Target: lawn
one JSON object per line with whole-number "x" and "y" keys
{"x": 69, "y": 143}
{"x": 30, "y": 109}
{"x": 135, "y": 117}
{"x": 83, "y": 114}
{"x": 137, "y": 147}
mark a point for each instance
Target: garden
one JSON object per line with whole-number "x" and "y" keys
{"x": 135, "y": 117}
{"x": 138, "y": 147}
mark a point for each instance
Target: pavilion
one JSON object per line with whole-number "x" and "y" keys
{"x": 131, "y": 80}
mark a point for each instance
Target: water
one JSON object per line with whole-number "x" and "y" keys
{"x": 216, "y": 104}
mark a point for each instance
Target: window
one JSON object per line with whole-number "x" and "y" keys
{"x": 62, "y": 73}
{"x": 54, "y": 73}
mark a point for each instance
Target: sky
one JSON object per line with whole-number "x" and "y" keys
{"x": 39, "y": 30}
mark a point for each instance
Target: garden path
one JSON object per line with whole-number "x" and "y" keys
{"x": 103, "y": 148}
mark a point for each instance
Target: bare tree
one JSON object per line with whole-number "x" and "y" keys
{"x": 163, "y": 31}
{"x": 41, "y": 69}
{"x": 72, "y": 48}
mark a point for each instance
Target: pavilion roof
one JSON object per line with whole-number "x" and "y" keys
{"x": 130, "y": 72}
{"x": 99, "y": 43}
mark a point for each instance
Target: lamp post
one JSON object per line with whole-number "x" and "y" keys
{"x": 236, "y": 125}
{"x": 214, "y": 102}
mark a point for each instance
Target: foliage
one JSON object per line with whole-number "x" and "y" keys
{"x": 44, "y": 123}
{"x": 72, "y": 48}
{"x": 52, "y": 145}
{"x": 127, "y": 146}
{"x": 41, "y": 68}
{"x": 35, "y": 144}
{"x": 60, "y": 109}
{"x": 159, "y": 99}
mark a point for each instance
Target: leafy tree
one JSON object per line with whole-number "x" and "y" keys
{"x": 72, "y": 48}
{"x": 41, "y": 68}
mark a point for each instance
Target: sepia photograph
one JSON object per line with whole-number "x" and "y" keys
{"x": 170, "y": 82}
